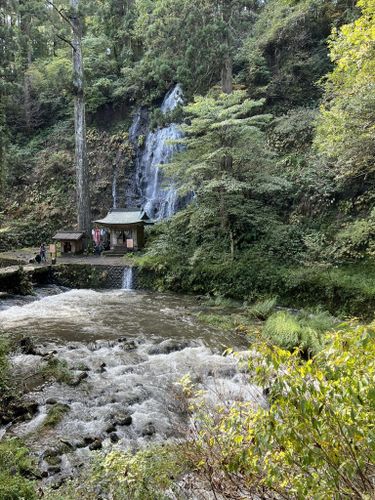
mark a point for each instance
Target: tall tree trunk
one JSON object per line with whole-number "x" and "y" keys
{"x": 82, "y": 173}
{"x": 27, "y": 93}
{"x": 26, "y": 51}
{"x": 227, "y": 75}
{"x": 227, "y": 65}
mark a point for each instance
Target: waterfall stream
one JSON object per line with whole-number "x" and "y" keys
{"x": 128, "y": 278}
{"x": 158, "y": 195}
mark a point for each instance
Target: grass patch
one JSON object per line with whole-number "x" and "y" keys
{"x": 57, "y": 370}
{"x": 222, "y": 321}
{"x": 55, "y": 414}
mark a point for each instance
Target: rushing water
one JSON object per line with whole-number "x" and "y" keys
{"x": 132, "y": 348}
{"x": 158, "y": 195}
{"x": 128, "y": 278}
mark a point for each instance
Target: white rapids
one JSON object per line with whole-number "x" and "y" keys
{"x": 133, "y": 348}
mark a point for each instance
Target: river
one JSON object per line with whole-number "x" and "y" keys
{"x": 126, "y": 350}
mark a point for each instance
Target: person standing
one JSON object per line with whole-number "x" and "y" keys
{"x": 42, "y": 252}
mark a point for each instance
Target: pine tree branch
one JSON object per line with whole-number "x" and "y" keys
{"x": 61, "y": 13}
{"x": 65, "y": 40}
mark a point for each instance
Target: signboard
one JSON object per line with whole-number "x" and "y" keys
{"x": 130, "y": 243}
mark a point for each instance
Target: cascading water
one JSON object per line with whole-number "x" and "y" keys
{"x": 125, "y": 354}
{"x": 157, "y": 197}
{"x": 128, "y": 278}
{"x": 114, "y": 191}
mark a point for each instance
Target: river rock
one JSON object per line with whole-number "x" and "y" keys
{"x": 20, "y": 410}
{"x": 51, "y": 401}
{"x": 122, "y": 419}
{"x": 27, "y": 346}
{"x": 54, "y": 469}
{"x": 66, "y": 444}
{"x": 88, "y": 440}
{"x": 168, "y": 346}
{"x": 148, "y": 429}
{"x": 53, "y": 461}
{"x": 78, "y": 380}
{"x": 96, "y": 445}
{"x": 129, "y": 345}
{"x": 110, "y": 428}
{"x": 114, "y": 437}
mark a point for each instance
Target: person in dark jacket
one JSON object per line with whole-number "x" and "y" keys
{"x": 42, "y": 252}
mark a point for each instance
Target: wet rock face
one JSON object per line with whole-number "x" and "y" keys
{"x": 14, "y": 409}
{"x": 96, "y": 445}
{"x": 26, "y": 345}
{"x": 115, "y": 438}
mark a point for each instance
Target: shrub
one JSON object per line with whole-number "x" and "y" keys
{"x": 121, "y": 475}
{"x": 262, "y": 309}
{"x": 15, "y": 463}
{"x": 283, "y": 329}
{"x": 314, "y": 439}
{"x": 304, "y": 330}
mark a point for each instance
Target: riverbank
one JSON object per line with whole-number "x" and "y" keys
{"x": 128, "y": 393}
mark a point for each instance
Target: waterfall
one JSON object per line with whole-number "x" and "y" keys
{"x": 158, "y": 195}
{"x": 114, "y": 190}
{"x": 128, "y": 278}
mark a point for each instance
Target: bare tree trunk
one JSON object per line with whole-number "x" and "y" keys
{"x": 227, "y": 75}
{"x": 227, "y": 67}
{"x": 27, "y": 93}
{"x": 26, "y": 52}
{"x": 82, "y": 173}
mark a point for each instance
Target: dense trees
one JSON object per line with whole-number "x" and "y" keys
{"x": 279, "y": 167}
{"x": 135, "y": 50}
{"x": 227, "y": 165}
{"x": 346, "y": 131}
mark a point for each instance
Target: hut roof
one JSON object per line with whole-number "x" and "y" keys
{"x": 68, "y": 235}
{"x": 123, "y": 216}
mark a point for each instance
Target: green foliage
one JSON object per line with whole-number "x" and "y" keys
{"x": 315, "y": 437}
{"x": 262, "y": 308}
{"x": 283, "y": 329}
{"x": 346, "y": 129}
{"x": 356, "y": 240}
{"x": 304, "y": 330}
{"x": 55, "y": 415}
{"x": 347, "y": 289}
{"x": 146, "y": 474}
{"x": 58, "y": 370}
{"x": 16, "y": 467}
{"x": 288, "y": 77}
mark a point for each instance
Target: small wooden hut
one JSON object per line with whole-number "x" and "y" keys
{"x": 72, "y": 242}
{"x": 126, "y": 228}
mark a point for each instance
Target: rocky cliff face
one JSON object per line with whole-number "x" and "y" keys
{"x": 124, "y": 169}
